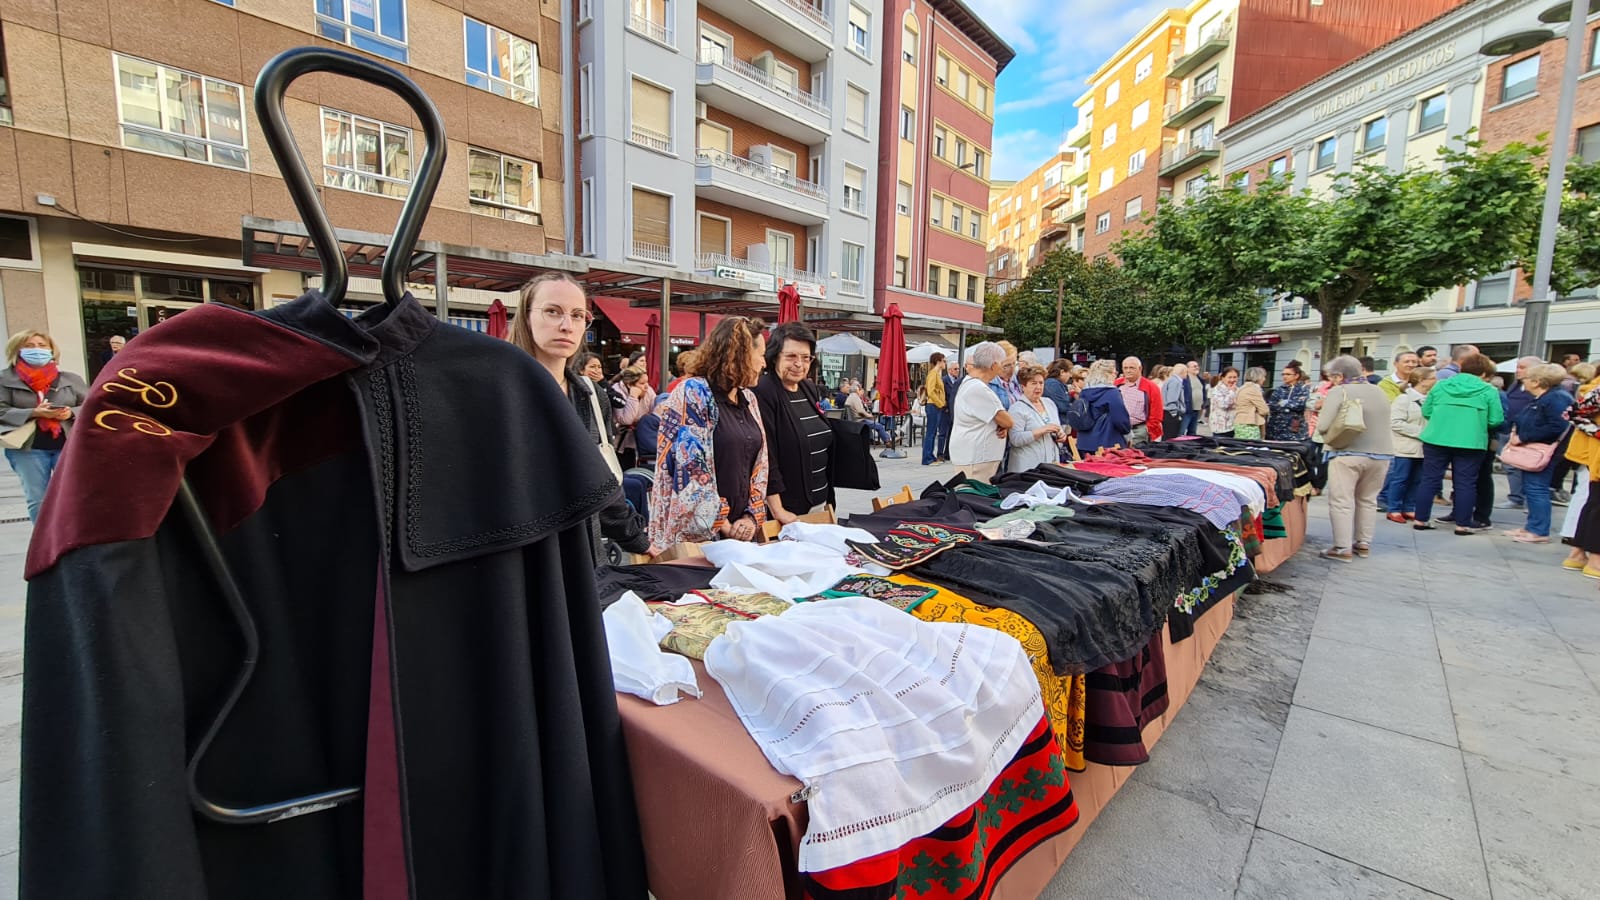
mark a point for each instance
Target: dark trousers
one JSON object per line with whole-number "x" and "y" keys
{"x": 1464, "y": 466}
{"x": 932, "y": 424}
{"x": 1401, "y": 484}
{"x": 945, "y": 423}
{"x": 1172, "y": 424}
{"x": 1483, "y": 506}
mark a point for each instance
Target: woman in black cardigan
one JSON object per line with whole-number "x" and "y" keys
{"x": 799, "y": 440}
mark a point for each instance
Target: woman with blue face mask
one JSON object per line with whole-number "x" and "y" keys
{"x": 38, "y": 406}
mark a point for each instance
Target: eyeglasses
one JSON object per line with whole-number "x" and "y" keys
{"x": 798, "y": 357}
{"x": 580, "y": 317}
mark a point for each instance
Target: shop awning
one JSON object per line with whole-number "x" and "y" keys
{"x": 630, "y": 320}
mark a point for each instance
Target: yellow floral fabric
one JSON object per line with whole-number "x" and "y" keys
{"x": 1064, "y": 696}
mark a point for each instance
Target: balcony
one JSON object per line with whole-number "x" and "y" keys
{"x": 1077, "y": 212}
{"x": 1057, "y": 226}
{"x": 1201, "y": 98}
{"x": 660, "y": 32}
{"x": 1056, "y": 195}
{"x": 649, "y": 137}
{"x": 758, "y": 186}
{"x": 1211, "y": 43}
{"x": 812, "y": 285}
{"x": 1185, "y": 156}
{"x": 1080, "y": 134}
{"x": 656, "y": 253}
{"x": 751, "y": 93}
{"x": 1079, "y": 176}
{"x": 795, "y": 25}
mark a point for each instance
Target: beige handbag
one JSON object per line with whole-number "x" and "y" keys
{"x": 1349, "y": 424}
{"x": 18, "y": 437}
{"x": 607, "y": 452}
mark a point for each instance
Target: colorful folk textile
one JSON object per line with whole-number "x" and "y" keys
{"x": 1243, "y": 432}
{"x": 1030, "y": 802}
{"x": 1208, "y": 585}
{"x": 1063, "y": 695}
{"x": 696, "y": 625}
{"x": 685, "y": 503}
{"x": 911, "y": 543}
{"x": 1123, "y": 698}
{"x": 900, "y": 596}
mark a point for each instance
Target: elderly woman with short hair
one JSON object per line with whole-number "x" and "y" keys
{"x": 980, "y": 422}
{"x": 1036, "y": 432}
{"x": 1357, "y": 463}
{"x": 1250, "y": 410}
{"x": 1543, "y": 421}
{"x": 1101, "y": 419}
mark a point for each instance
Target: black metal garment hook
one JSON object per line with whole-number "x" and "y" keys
{"x": 271, "y": 86}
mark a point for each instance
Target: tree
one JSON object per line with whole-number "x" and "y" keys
{"x": 1102, "y": 310}
{"x": 1380, "y": 239}
{"x": 1577, "y": 259}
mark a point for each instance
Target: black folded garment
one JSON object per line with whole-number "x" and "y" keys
{"x": 1051, "y": 474}
{"x": 938, "y": 507}
{"x": 654, "y": 582}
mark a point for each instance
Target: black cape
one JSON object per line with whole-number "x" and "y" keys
{"x": 395, "y": 496}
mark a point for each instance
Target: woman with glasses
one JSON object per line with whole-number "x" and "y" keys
{"x": 799, "y": 441}
{"x": 711, "y": 466}
{"x": 1287, "y": 421}
{"x": 550, "y": 326}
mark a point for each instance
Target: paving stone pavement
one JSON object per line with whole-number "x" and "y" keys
{"x": 1422, "y": 723}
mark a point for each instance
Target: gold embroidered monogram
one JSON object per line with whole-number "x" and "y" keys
{"x": 141, "y": 424}
{"x": 161, "y": 395}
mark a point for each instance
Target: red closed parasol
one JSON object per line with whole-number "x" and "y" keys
{"x": 497, "y": 320}
{"x": 788, "y": 304}
{"x": 652, "y": 351}
{"x": 894, "y": 381}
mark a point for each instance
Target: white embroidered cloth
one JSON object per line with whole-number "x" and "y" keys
{"x": 638, "y": 664}
{"x": 895, "y": 725}
{"x": 831, "y": 536}
{"x": 786, "y": 569}
{"x": 1039, "y": 495}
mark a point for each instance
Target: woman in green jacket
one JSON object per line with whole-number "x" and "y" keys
{"x": 1460, "y": 412}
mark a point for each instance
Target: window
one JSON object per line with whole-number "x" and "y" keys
{"x": 783, "y": 160}
{"x": 972, "y": 288}
{"x": 908, "y": 123}
{"x": 902, "y": 199}
{"x": 1203, "y": 136}
{"x": 361, "y": 154}
{"x": 376, "y": 26}
{"x": 176, "y": 113}
{"x": 941, "y": 69}
{"x": 588, "y": 216}
{"x": 908, "y": 50}
{"x": 1109, "y": 136}
{"x": 859, "y": 30}
{"x": 1034, "y": 195}
{"x": 953, "y": 285}
{"x": 1196, "y": 184}
{"x": 955, "y": 218}
{"x": 652, "y": 226}
{"x": 503, "y": 186}
{"x": 961, "y": 151}
{"x": 980, "y": 96}
{"x": 901, "y": 265}
{"x": 1142, "y": 70}
{"x": 963, "y": 86}
{"x": 1374, "y": 134}
{"x": 651, "y": 116}
{"x": 5, "y": 93}
{"x": 1594, "y": 51}
{"x": 1278, "y": 166}
{"x": 1113, "y": 91}
{"x": 855, "y": 110}
{"x": 1430, "y": 115}
{"x": 1033, "y": 222}
{"x": 1136, "y": 162}
{"x": 714, "y": 235}
{"x": 975, "y": 226}
{"x": 1003, "y": 263}
{"x": 586, "y": 99}
{"x": 936, "y": 210}
{"x": 1519, "y": 79}
{"x": 780, "y": 249}
{"x": 850, "y": 257}
{"x": 1132, "y": 209}
{"x": 1106, "y": 178}
{"x": 933, "y": 279}
{"x": 715, "y": 47}
{"x": 19, "y": 242}
{"x": 939, "y": 138}
{"x": 1141, "y": 114}
{"x": 977, "y": 163}
{"x": 501, "y": 62}
{"x": 1327, "y": 152}
{"x": 651, "y": 19}
{"x": 713, "y": 138}
{"x": 1493, "y": 291}
{"x": 1102, "y": 223}
{"x": 855, "y": 181}
{"x": 1589, "y": 143}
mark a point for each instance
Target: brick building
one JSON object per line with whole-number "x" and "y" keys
{"x": 129, "y": 150}
{"x": 1396, "y": 107}
{"x": 1031, "y": 217}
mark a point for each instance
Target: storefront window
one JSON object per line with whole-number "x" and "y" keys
{"x": 121, "y": 303}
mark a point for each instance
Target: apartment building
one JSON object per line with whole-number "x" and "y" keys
{"x": 1153, "y": 112}
{"x": 733, "y": 138}
{"x": 130, "y": 154}
{"x": 941, "y": 62}
{"x": 1396, "y": 107}
{"x": 1033, "y": 216}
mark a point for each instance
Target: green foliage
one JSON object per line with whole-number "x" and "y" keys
{"x": 1577, "y": 259}
{"x": 1384, "y": 240}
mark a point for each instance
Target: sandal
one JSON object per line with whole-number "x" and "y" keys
{"x": 1528, "y": 537}
{"x": 1362, "y": 550}
{"x": 1420, "y": 525}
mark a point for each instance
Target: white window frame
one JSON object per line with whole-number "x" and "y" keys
{"x": 859, "y": 130}
{"x": 1444, "y": 112}
{"x": 493, "y": 83}
{"x": 722, "y": 39}
{"x": 341, "y": 30}
{"x": 35, "y": 263}
{"x": 672, "y": 104}
{"x": 909, "y": 43}
{"x": 1279, "y": 166}
{"x": 783, "y": 236}
{"x": 588, "y": 217}
{"x": 538, "y": 175}
{"x": 1136, "y": 161}
{"x": 672, "y": 235}
{"x": 383, "y": 129}
{"x": 902, "y": 198}
{"x": 1366, "y": 135}
{"x": 586, "y": 100}
{"x": 863, "y": 47}
{"x": 1505, "y": 78}
{"x": 778, "y": 156}
{"x": 1141, "y": 114}
{"x": 1316, "y": 154}
{"x": 1133, "y": 209}
{"x": 656, "y": 32}
{"x": 714, "y": 126}
{"x": 860, "y": 205}
{"x": 859, "y": 281}
{"x": 1113, "y": 92}
{"x": 1144, "y": 67}
{"x": 1102, "y": 223}
{"x": 1109, "y": 136}
{"x": 1108, "y": 180}
{"x": 727, "y": 232}
{"x": 205, "y": 116}
{"x": 941, "y": 138}
{"x": 936, "y": 210}
{"x": 902, "y": 271}
{"x": 908, "y": 123}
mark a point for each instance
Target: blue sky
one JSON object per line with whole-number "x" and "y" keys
{"x": 1059, "y": 43}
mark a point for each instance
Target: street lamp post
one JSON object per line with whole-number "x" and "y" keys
{"x": 1536, "y": 312}
{"x": 1061, "y": 290}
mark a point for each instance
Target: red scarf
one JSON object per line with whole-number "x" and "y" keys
{"x": 40, "y": 379}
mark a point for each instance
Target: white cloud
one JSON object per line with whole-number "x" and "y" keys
{"x": 1016, "y": 153}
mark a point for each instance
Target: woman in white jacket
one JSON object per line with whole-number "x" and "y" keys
{"x": 1405, "y": 470}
